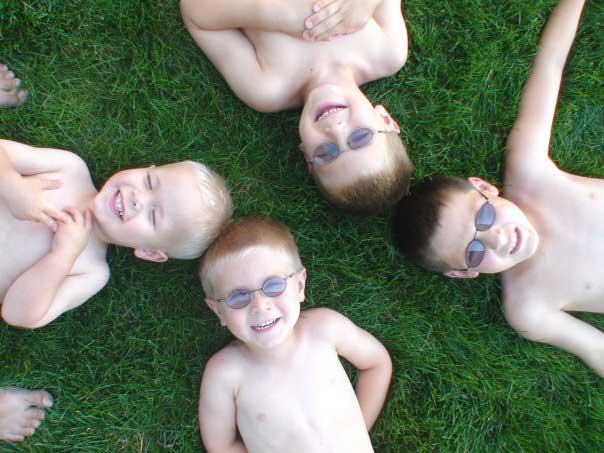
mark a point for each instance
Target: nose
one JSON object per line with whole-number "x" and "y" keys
{"x": 494, "y": 238}
{"x": 137, "y": 200}
{"x": 335, "y": 126}
{"x": 260, "y": 302}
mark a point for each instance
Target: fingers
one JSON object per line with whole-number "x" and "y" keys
{"x": 321, "y": 15}
{"x": 326, "y": 29}
{"x": 47, "y": 220}
{"x": 320, "y": 4}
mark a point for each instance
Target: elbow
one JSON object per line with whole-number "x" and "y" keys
{"x": 192, "y": 14}
{"x": 15, "y": 318}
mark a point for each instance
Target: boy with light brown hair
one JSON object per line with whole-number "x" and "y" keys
{"x": 545, "y": 236}
{"x": 352, "y": 148}
{"x": 280, "y": 386}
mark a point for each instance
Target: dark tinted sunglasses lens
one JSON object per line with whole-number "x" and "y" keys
{"x": 360, "y": 138}
{"x": 274, "y": 286}
{"x": 238, "y": 299}
{"x": 485, "y": 217}
{"x": 325, "y": 153}
{"x": 474, "y": 253}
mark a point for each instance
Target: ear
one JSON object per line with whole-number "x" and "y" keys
{"x": 462, "y": 274}
{"x": 308, "y": 164}
{"x": 485, "y": 187}
{"x": 213, "y": 305}
{"x": 157, "y": 256}
{"x": 389, "y": 123}
{"x": 301, "y": 285}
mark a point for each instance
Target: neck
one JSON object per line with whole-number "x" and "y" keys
{"x": 342, "y": 76}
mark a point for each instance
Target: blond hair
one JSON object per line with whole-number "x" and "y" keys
{"x": 377, "y": 192}
{"x": 241, "y": 237}
{"x": 215, "y": 208}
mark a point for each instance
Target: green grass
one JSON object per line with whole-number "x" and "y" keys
{"x": 122, "y": 84}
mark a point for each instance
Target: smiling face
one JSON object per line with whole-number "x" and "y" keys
{"x": 147, "y": 208}
{"x": 331, "y": 113}
{"x": 509, "y": 241}
{"x": 267, "y": 321}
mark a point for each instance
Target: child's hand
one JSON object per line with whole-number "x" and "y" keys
{"x": 72, "y": 235}
{"x": 26, "y": 200}
{"x": 337, "y": 17}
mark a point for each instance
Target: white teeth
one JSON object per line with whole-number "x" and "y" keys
{"x": 329, "y": 112}
{"x": 119, "y": 206}
{"x": 514, "y": 241}
{"x": 265, "y": 325}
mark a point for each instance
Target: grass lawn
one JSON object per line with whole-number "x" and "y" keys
{"x": 122, "y": 84}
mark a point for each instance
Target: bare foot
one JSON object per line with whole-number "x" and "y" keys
{"x": 21, "y": 412}
{"x": 10, "y": 94}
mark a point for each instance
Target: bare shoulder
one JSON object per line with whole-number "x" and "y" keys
{"x": 324, "y": 323}
{"x": 225, "y": 365}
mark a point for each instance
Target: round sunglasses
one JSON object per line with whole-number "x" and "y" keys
{"x": 485, "y": 218}
{"x": 272, "y": 287}
{"x": 359, "y": 138}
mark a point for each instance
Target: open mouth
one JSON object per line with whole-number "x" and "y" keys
{"x": 265, "y": 325}
{"x": 117, "y": 205}
{"x": 516, "y": 241}
{"x": 327, "y": 110}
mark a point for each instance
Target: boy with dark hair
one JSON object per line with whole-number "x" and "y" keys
{"x": 346, "y": 141}
{"x": 545, "y": 236}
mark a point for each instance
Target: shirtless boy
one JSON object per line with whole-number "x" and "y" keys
{"x": 55, "y": 227}
{"x": 545, "y": 236}
{"x": 257, "y": 46}
{"x": 280, "y": 384}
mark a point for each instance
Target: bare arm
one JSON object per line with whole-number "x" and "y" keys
{"x": 560, "y": 329}
{"x": 217, "y": 411}
{"x": 25, "y": 175}
{"x": 530, "y": 135}
{"x": 369, "y": 357}
{"x": 48, "y": 288}
{"x": 340, "y": 17}
{"x": 286, "y": 16}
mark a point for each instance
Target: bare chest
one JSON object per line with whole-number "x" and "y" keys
{"x": 24, "y": 243}
{"x": 295, "y": 60}
{"x": 568, "y": 268}
{"x": 309, "y": 406}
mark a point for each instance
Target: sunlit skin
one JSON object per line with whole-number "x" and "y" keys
{"x": 11, "y": 93}
{"x": 351, "y": 111}
{"x": 21, "y": 410}
{"x": 559, "y": 215}
{"x": 509, "y": 241}
{"x": 55, "y": 227}
{"x": 283, "y": 388}
{"x": 276, "y": 69}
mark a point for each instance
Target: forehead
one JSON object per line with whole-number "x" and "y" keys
{"x": 249, "y": 268}
{"x": 456, "y": 226}
{"x": 177, "y": 192}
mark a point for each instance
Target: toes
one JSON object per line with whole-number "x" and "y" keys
{"x": 9, "y": 84}
{"x": 7, "y": 75}
{"x": 9, "y": 437}
{"x": 35, "y": 414}
{"x": 12, "y": 98}
{"x": 40, "y": 398}
{"x": 35, "y": 423}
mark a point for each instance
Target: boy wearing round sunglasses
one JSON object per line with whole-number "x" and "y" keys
{"x": 545, "y": 236}
{"x": 280, "y": 384}
{"x": 272, "y": 58}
